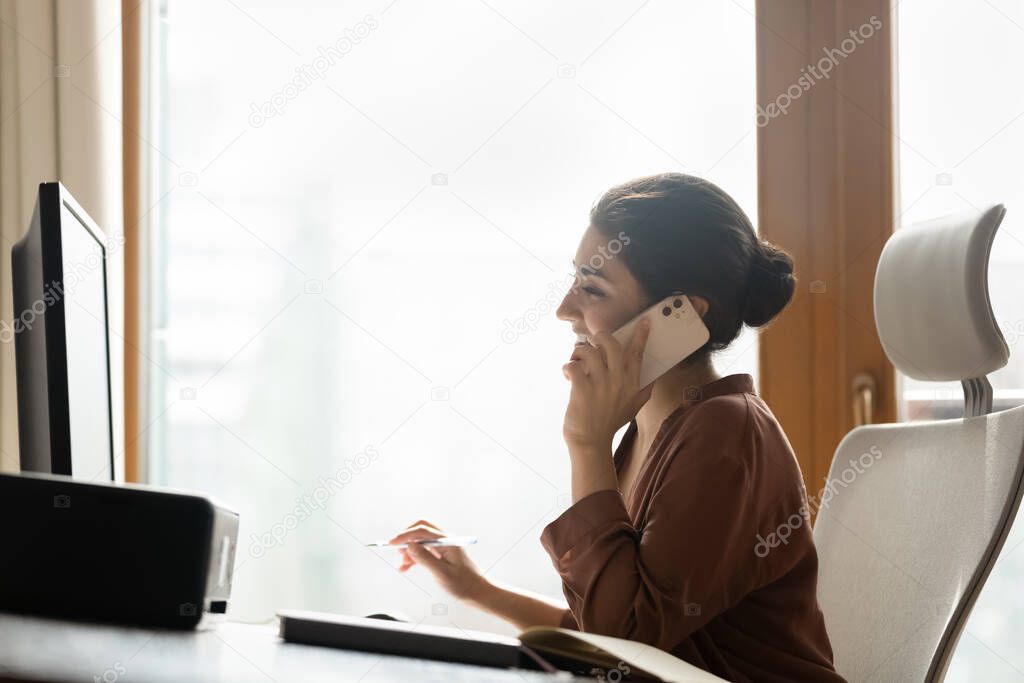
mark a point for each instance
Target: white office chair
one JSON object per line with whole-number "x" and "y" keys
{"x": 909, "y": 532}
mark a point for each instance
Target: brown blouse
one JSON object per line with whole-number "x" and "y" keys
{"x": 695, "y": 562}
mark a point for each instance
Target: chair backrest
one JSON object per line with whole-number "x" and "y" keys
{"x": 914, "y": 514}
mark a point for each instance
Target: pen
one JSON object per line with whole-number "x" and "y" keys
{"x": 444, "y": 542}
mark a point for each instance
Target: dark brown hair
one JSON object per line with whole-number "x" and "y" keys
{"x": 687, "y": 235}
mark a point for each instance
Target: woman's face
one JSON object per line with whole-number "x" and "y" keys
{"x": 605, "y": 295}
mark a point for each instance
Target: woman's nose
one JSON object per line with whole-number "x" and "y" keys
{"x": 567, "y": 310}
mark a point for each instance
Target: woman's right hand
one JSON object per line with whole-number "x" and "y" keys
{"x": 458, "y": 575}
{"x": 450, "y": 566}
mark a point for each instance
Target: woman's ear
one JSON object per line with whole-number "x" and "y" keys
{"x": 700, "y": 304}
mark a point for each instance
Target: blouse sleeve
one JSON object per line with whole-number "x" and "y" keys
{"x": 692, "y": 559}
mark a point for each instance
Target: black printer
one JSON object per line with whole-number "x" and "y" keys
{"x": 123, "y": 553}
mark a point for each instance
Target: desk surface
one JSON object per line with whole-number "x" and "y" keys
{"x": 38, "y": 649}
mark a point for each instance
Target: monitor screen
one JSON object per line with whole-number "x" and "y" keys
{"x": 85, "y": 319}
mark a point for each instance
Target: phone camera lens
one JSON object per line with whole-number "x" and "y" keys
{"x": 666, "y": 311}
{"x": 678, "y": 303}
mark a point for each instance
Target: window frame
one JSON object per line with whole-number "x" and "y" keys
{"x": 814, "y": 200}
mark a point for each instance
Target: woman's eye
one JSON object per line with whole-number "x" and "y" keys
{"x": 593, "y": 291}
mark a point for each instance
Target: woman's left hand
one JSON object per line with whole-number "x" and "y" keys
{"x": 605, "y": 388}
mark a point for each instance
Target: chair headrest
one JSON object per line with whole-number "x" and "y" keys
{"x": 932, "y": 307}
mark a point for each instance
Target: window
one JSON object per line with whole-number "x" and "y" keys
{"x": 369, "y": 218}
{"x": 961, "y": 131}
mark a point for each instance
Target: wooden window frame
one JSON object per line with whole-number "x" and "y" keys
{"x": 826, "y": 193}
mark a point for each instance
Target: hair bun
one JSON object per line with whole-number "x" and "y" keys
{"x": 770, "y": 284}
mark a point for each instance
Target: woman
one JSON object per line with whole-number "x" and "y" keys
{"x": 664, "y": 542}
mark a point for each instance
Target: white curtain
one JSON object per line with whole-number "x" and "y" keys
{"x": 60, "y": 105}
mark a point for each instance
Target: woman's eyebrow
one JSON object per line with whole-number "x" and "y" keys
{"x": 590, "y": 271}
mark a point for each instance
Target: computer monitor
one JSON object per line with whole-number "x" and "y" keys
{"x": 61, "y": 337}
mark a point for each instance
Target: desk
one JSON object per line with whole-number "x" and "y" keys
{"x": 39, "y": 649}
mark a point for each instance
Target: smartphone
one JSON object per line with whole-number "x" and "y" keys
{"x": 676, "y": 332}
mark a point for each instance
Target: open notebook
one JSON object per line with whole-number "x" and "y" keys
{"x": 541, "y": 647}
